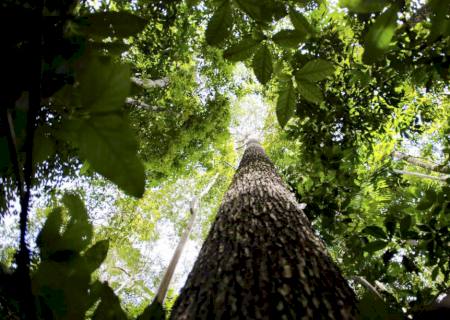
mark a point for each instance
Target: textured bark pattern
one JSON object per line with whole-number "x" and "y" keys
{"x": 261, "y": 259}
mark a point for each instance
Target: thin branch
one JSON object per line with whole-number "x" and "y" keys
{"x": 142, "y": 105}
{"x": 149, "y": 83}
{"x": 367, "y": 285}
{"x": 420, "y": 163}
{"x": 163, "y": 287}
{"x": 422, "y": 175}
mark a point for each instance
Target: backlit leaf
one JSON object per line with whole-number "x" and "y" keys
{"x": 107, "y": 142}
{"x": 310, "y": 91}
{"x": 374, "y": 231}
{"x": 315, "y": 70}
{"x": 286, "y": 101}
{"x": 288, "y": 38}
{"x": 262, "y": 65}
{"x": 242, "y": 50}
{"x": 364, "y": 6}
{"x": 300, "y": 23}
{"x": 380, "y": 35}
{"x": 113, "y": 24}
{"x": 219, "y": 26}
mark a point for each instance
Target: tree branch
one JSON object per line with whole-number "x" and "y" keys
{"x": 422, "y": 175}
{"x": 420, "y": 163}
{"x": 163, "y": 287}
{"x": 367, "y": 285}
{"x": 141, "y": 105}
{"x": 149, "y": 83}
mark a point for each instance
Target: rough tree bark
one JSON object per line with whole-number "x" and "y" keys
{"x": 261, "y": 259}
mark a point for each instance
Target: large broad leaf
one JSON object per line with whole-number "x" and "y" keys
{"x": 315, "y": 70}
{"x": 405, "y": 224}
{"x": 375, "y": 245}
{"x": 113, "y": 24}
{"x": 78, "y": 232}
{"x": 109, "y": 307}
{"x": 50, "y": 235}
{"x": 300, "y": 23}
{"x": 103, "y": 85}
{"x": 255, "y": 9}
{"x": 286, "y": 100}
{"x": 96, "y": 254}
{"x": 380, "y": 34}
{"x": 262, "y": 65}
{"x": 440, "y": 23}
{"x": 288, "y": 38}
{"x": 242, "y": 50}
{"x": 375, "y": 231}
{"x": 107, "y": 142}
{"x": 154, "y": 311}
{"x": 219, "y": 26}
{"x": 364, "y": 6}
{"x": 310, "y": 91}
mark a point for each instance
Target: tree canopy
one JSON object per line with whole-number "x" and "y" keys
{"x": 115, "y": 114}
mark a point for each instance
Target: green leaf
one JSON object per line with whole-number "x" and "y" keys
{"x": 96, "y": 254}
{"x": 113, "y": 24}
{"x": 375, "y": 245}
{"x": 43, "y": 146}
{"x": 428, "y": 200}
{"x": 379, "y": 36}
{"x": 288, "y": 38}
{"x": 107, "y": 142}
{"x": 262, "y": 65}
{"x": 154, "y": 311}
{"x": 300, "y": 23}
{"x": 315, "y": 70}
{"x": 255, "y": 9}
{"x": 242, "y": 50}
{"x": 405, "y": 224}
{"x": 286, "y": 101}
{"x": 109, "y": 307}
{"x": 364, "y": 6}
{"x": 390, "y": 223}
{"x": 374, "y": 231}
{"x": 219, "y": 26}
{"x": 103, "y": 86}
{"x": 50, "y": 235}
{"x": 78, "y": 233}
{"x": 310, "y": 91}
{"x": 440, "y": 23}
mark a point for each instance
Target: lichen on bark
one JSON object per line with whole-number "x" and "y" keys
{"x": 262, "y": 259}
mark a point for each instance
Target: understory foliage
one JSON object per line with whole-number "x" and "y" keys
{"x": 133, "y": 99}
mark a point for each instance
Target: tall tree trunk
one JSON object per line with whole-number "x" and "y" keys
{"x": 261, "y": 259}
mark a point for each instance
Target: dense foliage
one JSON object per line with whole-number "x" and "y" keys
{"x": 140, "y": 95}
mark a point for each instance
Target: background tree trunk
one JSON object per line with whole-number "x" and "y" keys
{"x": 261, "y": 259}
